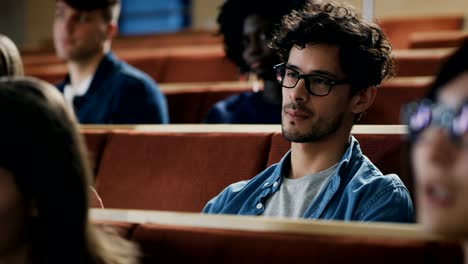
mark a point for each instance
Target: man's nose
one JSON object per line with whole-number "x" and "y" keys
{"x": 298, "y": 92}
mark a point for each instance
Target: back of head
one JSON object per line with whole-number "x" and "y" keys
{"x": 364, "y": 51}
{"x": 41, "y": 145}
{"x": 454, "y": 66}
{"x": 10, "y": 58}
{"x": 231, "y": 22}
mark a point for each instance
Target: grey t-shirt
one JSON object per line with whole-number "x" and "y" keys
{"x": 295, "y": 195}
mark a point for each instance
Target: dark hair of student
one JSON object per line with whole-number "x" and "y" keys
{"x": 231, "y": 18}
{"x": 365, "y": 52}
{"x": 41, "y": 145}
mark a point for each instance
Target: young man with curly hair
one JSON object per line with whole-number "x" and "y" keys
{"x": 333, "y": 61}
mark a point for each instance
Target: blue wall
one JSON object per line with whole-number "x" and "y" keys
{"x": 154, "y": 16}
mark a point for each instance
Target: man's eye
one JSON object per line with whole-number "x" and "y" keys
{"x": 292, "y": 74}
{"x": 318, "y": 80}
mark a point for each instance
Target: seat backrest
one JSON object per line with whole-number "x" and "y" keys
{"x": 398, "y": 29}
{"x": 176, "y": 171}
{"x": 391, "y": 96}
{"x": 184, "y": 106}
{"x": 95, "y": 141}
{"x": 198, "y": 68}
{"x": 185, "y": 244}
{"x": 189, "y": 104}
{"x": 420, "y": 62}
{"x": 437, "y": 39}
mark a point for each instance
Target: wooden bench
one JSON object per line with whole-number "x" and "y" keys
{"x": 179, "y": 168}
{"x": 197, "y": 238}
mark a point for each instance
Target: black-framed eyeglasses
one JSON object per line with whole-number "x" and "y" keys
{"x": 419, "y": 115}
{"x": 316, "y": 84}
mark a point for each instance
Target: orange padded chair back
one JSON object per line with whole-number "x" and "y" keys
{"x": 176, "y": 171}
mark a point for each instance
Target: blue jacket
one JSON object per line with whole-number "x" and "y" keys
{"x": 357, "y": 191}
{"x": 244, "y": 108}
{"x": 120, "y": 94}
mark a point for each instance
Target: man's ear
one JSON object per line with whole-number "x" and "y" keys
{"x": 112, "y": 30}
{"x": 361, "y": 101}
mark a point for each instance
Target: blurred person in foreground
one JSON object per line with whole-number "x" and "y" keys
{"x": 44, "y": 183}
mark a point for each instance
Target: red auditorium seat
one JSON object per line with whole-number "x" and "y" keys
{"x": 165, "y": 243}
{"x": 176, "y": 171}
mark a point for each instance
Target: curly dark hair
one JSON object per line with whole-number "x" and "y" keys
{"x": 456, "y": 64}
{"x": 365, "y": 52}
{"x": 231, "y": 22}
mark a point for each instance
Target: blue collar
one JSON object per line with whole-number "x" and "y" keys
{"x": 285, "y": 164}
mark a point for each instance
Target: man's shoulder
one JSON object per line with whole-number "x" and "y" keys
{"x": 233, "y": 102}
{"x": 131, "y": 75}
{"x": 367, "y": 176}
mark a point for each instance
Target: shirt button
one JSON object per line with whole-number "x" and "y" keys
{"x": 266, "y": 184}
{"x": 275, "y": 184}
{"x": 259, "y": 206}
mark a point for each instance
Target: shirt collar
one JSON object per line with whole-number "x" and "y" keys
{"x": 353, "y": 150}
{"x": 70, "y": 92}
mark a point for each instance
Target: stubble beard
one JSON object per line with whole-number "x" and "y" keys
{"x": 319, "y": 130}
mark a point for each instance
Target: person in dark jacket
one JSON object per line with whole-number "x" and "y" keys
{"x": 100, "y": 88}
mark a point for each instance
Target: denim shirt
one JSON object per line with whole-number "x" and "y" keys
{"x": 357, "y": 191}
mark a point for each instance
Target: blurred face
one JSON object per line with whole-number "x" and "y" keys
{"x": 441, "y": 170}
{"x": 12, "y": 215}
{"x": 79, "y": 35}
{"x": 258, "y": 56}
{"x": 307, "y": 117}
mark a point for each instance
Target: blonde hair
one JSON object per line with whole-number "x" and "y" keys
{"x": 10, "y": 58}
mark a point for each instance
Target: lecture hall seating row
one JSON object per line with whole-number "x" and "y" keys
{"x": 189, "y": 103}
{"x": 166, "y": 65}
{"x": 437, "y": 39}
{"x": 209, "y": 64}
{"x": 172, "y": 237}
{"x": 399, "y": 29}
{"x": 181, "y": 167}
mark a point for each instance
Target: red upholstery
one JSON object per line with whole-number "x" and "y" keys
{"x": 184, "y": 106}
{"x": 151, "y": 65}
{"x": 389, "y": 100}
{"x": 425, "y": 62}
{"x": 54, "y": 73}
{"x": 437, "y": 39}
{"x": 198, "y": 68}
{"x": 190, "y": 105}
{"x": 279, "y": 146}
{"x": 178, "y": 244}
{"x": 206, "y": 63}
{"x": 398, "y": 29}
{"x": 95, "y": 141}
{"x": 176, "y": 171}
